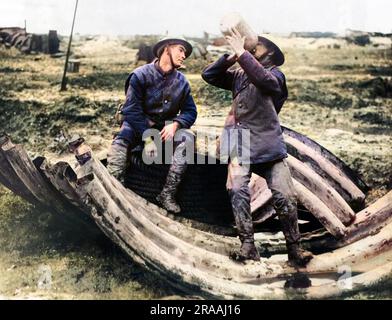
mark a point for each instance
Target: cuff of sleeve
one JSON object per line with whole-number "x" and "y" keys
{"x": 181, "y": 123}
{"x": 227, "y": 63}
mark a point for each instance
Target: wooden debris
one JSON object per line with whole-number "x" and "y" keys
{"x": 331, "y": 173}
{"x": 329, "y": 196}
{"x": 320, "y": 210}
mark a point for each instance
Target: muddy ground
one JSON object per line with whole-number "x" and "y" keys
{"x": 340, "y": 96}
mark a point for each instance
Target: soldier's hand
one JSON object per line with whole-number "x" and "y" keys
{"x": 237, "y": 42}
{"x": 150, "y": 148}
{"x": 168, "y": 131}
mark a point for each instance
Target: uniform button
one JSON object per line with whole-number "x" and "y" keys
{"x": 165, "y": 101}
{"x": 239, "y": 123}
{"x": 240, "y": 105}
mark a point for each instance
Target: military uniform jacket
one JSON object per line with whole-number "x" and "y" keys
{"x": 258, "y": 96}
{"x": 153, "y": 97}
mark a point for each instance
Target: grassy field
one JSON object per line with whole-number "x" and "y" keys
{"x": 339, "y": 97}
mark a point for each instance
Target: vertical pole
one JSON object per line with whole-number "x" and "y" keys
{"x": 25, "y": 26}
{"x": 64, "y": 80}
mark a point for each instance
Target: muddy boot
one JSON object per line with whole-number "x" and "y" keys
{"x": 298, "y": 257}
{"x": 117, "y": 159}
{"x": 247, "y": 251}
{"x": 166, "y": 197}
{"x": 240, "y": 204}
{"x": 287, "y": 211}
{"x": 174, "y": 177}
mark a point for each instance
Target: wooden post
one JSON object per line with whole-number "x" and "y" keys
{"x": 64, "y": 80}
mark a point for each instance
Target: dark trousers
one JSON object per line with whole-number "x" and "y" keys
{"x": 278, "y": 177}
{"x": 127, "y": 140}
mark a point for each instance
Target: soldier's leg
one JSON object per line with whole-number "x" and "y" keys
{"x": 118, "y": 153}
{"x": 285, "y": 203}
{"x": 238, "y": 189}
{"x": 183, "y": 152}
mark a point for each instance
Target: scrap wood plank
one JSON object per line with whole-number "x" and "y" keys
{"x": 325, "y": 168}
{"x": 323, "y": 214}
{"x": 328, "y": 195}
{"x": 9, "y": 177}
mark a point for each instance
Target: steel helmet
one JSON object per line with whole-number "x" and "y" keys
{"x": 172, "y": 40}
{"x": 278, "y": 56}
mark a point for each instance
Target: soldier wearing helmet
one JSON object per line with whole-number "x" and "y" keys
{"x": 259, "y": 92}
{"x": 158, "y": 96}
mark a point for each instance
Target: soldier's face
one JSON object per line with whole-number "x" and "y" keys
{"x": 178, "y": 54}
{"x": 261, "y": 51}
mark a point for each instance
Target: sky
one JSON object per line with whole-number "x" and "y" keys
{"x": 192, "y": 17}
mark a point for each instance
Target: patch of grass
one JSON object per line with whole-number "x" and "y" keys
{"x": 36, "y": 123}
{"x": 340, "y": 67}
{"x": 11, "y": 70}
{"x": 100, "y": 80}
{"x": 385, "y": 71}
{"x": 205, "y": 94}
{"x": 313, "y": 92}
{"x": 374, "y": 117}
{"x": 371, "y": 89}
{"x": 196, "y": 66}
{"x": 82, "y": 264}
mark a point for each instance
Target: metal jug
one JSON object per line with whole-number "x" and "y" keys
{"x": 235, "y": 20}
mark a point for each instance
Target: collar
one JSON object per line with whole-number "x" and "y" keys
{"x": 159, "y": 69}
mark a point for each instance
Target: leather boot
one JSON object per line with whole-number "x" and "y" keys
{"x": 248, "y": 251}
{"x": 240, "y": 202}
{"x": 288, "y": 217}
{"x": 117, "y": 159}
{"x": 167, "y": 196}
{"x": 298, "y": 257}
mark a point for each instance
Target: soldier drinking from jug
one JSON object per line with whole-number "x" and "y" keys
{"x": 259, "y": 91}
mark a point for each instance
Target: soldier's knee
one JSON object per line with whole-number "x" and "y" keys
{"x": 126, "y": 135}
{"x": 185, "y": 135}
{"x": 238, "y": 190}
{"x": 283, "y": 203}
{"x": 120, "y": 141}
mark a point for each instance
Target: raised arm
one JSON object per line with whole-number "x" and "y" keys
{"x": 268, "y": 80}
{"x": 217, "y": 73}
